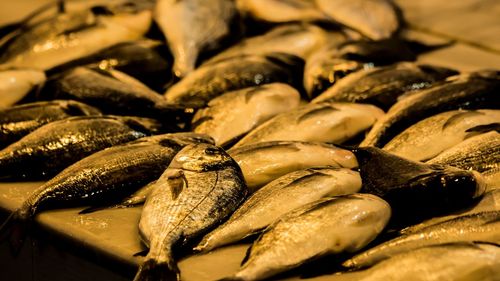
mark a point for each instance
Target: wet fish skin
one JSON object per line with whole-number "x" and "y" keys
{"x": 202, "y": 186}
{"x": 194, "y": 26}
{"x": 376, "y": 19}
{"x": 323, "y": 122}
{"x": 408, "y": 185}
{"x": 55, "y": 146}
{"x": 483, "y": 226}
{"x": 475, "y": 90}
{"x": 431, "y": 136}
{"x": 353, "y": 221}
{"x": 16, "y": 84}
{"x": 18, "y": 121}
{"x": 212, "y": 80}
{"x": 231, "y": 115}
{"x": 384, "y": 86}
{"x": 264, "y": 162}
{"x": 279, "y": 197}
{"x": 281, "y": 11}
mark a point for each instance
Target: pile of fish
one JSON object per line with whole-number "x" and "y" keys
{"x": 303, "y": 126}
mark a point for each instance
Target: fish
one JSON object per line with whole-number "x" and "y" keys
{"x": 279, "y": 197}
{"x": 376, "y": 19}
{"x": 416, "y": 190}
{"x": 212, "y": 80}
{"x": 483, "y": 226}
{"x": 489, "y": 202}
{"x": 281, "y": 11}
{"x": 480, "y": 153}
{"x": 384, "y": 86}
{"x": 330, "y": 226}
{"x": 56, "y": 145}
{"x": 323, "y": 122}
{"x": 264, "y": 162}
{"x": 17, "y": 84}
{"x": 431, "y": 136}
{"x": 230, "y": 116}
{"x": 192, "y": 27}
{"x": 69, "y": 36}
{"x": 17, "y": 121}
{"x": 476, "y": 90}
{"x": 201, "y": 187}
{"x": 102, "y": 90}
{"x": 146, "y": 60}
{"x": 450, "y": 261}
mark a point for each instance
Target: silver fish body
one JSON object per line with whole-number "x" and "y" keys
{"x": 230, "y": 116}
{"x": 343, "y": 224}
{"x": 201, "y": 187}
{"x": 194, "y": 26}
{"x": 16, "y": 84}
{"x": 279, "y": 11}
{"x": 279, "y": 197}
{"x": 483, "y": 226}
{"x": 264, "y": 162}
{"x": 323, "y": 122}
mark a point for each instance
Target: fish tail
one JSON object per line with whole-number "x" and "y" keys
{"x": 14, "y": 229}
{"x": 157, "y": 270}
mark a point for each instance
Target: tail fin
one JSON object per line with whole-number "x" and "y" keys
{"x": 14, "y": 229}
{"x": 154, "y": 270}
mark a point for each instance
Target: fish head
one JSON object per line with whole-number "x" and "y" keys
{"x": 201, "y": 157}
{"x": 189, "y": 138}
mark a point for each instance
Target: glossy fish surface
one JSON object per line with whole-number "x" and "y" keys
{"x": 264, "y": 162}
{"x": 323, "y": 122}
{"x": 201, "y": 187}
{"x": 345, "y": 224}
{"x": 281, "y": 11}
{"x": 279, "y": 197}
{"x": 18, "y": 121}
{"x": 231, "y": 115}
{"x": 16, "y": 84}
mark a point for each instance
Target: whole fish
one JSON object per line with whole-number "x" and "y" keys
{"x": 146, "y": 60}
{"x": 279, "y": 197}
{"x": 470, "y": 91}
{"x": 56, "y": 145}
{"x": 16, "y": 84}
{"x": 343, "y": 224}
{"x": 108, "y": 175}
{"x": 416, "y": 190}
{"x": 281, "y": 11}
{"x": 326, "y": 122}
{"x": 192, "y": 27}
{"x": 264, "y": 162}
{"x": 376, "y": 19}
{"x": 431, "y": 136}
{"x": 18, "y": 121}
{"x": 234, "y": 73}
{"x": 201, "y": 187}
{"x": 451, "y": 261}
{"x": 230, "y": 116}
{"x": 480, "y": 153}
{"x": 73, "y": 35}
{"x": 100, "y": 89}
{"x": 483, "y": 226}
{"x": 383, "y": 86}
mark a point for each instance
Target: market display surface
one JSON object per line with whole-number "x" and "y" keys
{"x": 246, "y": 140}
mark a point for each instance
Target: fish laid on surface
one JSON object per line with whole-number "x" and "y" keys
{"x": 234, "y": 73}
{"x": 201, "y": 187}
{"x": 18, "y": 121}
{"x": 343, "y": 224}
{"x": 376, "y": 19}
{"x": 416, "y": 190}
{"x": 383, "y": 86}
{"x": 56, "y": 145}
{"x": 264, "y": 162}
{"x": 16, "y": 84}
{"x": 194, "y": 26}
{"x": 230, "y": 116}
{"x": 431, "y": 136}
{"x": 281, "y": 11}
{"x": 483, "y": 226}
{"x": 279, "y": 197}
{"x": 69, "y": 36}
{"x": 324, "y": 122}
{"x": 476, "y": 90}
